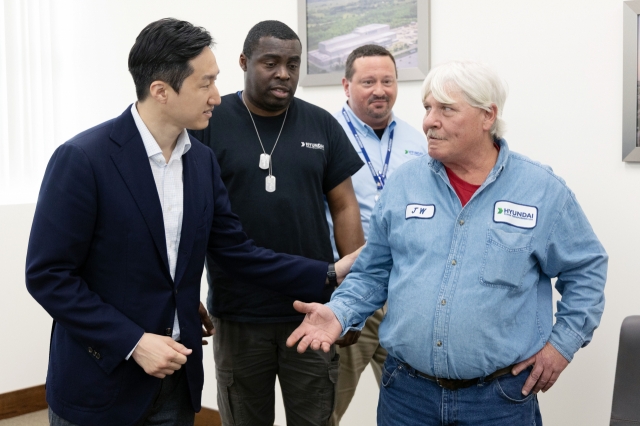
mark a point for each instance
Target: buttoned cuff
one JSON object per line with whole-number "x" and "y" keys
{"x": 344, "y": 315}
{"x": 565, "y": 340}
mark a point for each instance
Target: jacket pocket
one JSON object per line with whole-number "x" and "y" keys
{"x": 76, "y": 377}
{"x": 507, "y": 257}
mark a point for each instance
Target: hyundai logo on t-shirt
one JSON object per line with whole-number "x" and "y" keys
{"x": 311, "y": 145}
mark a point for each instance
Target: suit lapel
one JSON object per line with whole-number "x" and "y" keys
{"x": 191, "y": 214}
{"x": 133, "y": 164}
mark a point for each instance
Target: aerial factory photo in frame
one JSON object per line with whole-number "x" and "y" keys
{"x": 335, "y": 27}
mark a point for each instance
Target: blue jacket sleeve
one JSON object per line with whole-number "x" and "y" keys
{"x": 294, "y": 276}
{"x": 59, "y": 243}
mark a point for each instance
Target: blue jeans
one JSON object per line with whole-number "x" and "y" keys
{"x": 407, "y": 399}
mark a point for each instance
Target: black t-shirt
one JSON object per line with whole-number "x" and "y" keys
{"x": 312, "y": 156}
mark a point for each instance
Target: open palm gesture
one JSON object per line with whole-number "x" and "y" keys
{"x": 319, "y": 329}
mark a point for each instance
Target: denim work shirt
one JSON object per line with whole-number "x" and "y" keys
{"x": 469, "y": 288}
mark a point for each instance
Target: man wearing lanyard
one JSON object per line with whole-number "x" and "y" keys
{"x": 384, "y": 142}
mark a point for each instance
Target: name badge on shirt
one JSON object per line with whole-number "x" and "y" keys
{"x": 420, "y": 211}
{"x": 517, "y": 215}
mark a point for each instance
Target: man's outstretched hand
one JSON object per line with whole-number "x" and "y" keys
{"x": 319, "y": 329}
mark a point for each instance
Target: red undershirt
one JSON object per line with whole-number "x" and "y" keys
{"x": 464, "y": 189}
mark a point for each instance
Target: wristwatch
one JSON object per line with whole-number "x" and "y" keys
{"x": 331, "y": 275}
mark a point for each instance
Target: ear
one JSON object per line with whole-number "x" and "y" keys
{"x": 490, "y": 117}
{"x": 345, "y": 86}
{"x": 243, "y": 62}
{"x": 158, "y": 90}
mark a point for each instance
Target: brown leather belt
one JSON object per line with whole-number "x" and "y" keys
{"x": 455, "y": 384}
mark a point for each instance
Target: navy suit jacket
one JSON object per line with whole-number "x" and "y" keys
{"x": 97, "y": 262}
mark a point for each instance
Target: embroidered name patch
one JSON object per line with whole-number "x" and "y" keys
{"x": 517, "y": 215}
{"x": 312, "y": 145}
{"x": 420, "y": 211}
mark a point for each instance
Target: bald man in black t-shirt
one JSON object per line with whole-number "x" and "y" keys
{"x": 280, "y": 157}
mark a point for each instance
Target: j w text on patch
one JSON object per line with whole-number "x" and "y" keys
{"x": 420, "y": 211}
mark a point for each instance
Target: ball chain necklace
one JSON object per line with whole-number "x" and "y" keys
{"x": 265, "y": 159}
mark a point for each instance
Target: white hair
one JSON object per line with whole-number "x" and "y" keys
{"x": 478, "y": 83}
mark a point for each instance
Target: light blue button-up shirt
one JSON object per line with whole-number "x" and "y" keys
{"x": 408, "y": 143}
{"x": 469, "y": 288}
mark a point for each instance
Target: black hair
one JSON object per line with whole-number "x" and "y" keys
{"x": 162, "y": 51}
{"x": 363, "y": 52}
{"x": 275, "y": 29}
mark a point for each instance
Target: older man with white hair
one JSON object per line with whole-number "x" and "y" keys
{"x": 463, "y": 244}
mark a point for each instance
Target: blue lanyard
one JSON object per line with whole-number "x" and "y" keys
{"x": 378, "y": 177}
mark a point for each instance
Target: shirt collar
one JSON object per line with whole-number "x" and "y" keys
{"x": 151, "y": 146}
{"x": 503, "y": 157}
{"x": 364, "y": 128}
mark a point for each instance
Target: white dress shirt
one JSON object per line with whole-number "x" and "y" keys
{"x": 168, "y": 179}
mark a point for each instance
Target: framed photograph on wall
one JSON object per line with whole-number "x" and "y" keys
{"x": 631, "y": 82}
{"x": 330, "y": 29}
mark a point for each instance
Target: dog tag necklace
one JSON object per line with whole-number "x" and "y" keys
{"x": 265, "y": 159}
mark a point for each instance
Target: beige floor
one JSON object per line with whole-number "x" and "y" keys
{"x": 38, "y": 418}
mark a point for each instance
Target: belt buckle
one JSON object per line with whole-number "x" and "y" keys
{"x": 449, "y": 384}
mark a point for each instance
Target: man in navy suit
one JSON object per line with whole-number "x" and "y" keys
{"x": 125, "y": 215}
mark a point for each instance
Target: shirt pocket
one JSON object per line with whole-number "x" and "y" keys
{"x": 507, "y": 258}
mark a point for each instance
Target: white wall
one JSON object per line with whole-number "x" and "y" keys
{"x": 563, "y": 63}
